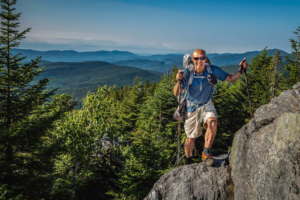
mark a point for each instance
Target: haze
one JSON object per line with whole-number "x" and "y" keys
{"x": 162, "y": 26}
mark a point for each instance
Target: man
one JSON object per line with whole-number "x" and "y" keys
{"x": 199, "y": 104}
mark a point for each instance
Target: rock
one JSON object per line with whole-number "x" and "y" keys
{"x": 195, "y": 181}
{"x": 265, "y": 157}
{"x": 296, "y": 86}
{"x": 264, "y": 160}
{"x": 287, "y": 101}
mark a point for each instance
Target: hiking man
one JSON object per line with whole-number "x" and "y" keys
{"x": 199, "y": 101}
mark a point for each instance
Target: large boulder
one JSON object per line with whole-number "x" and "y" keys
{"x": 195, "y": 181}
{"x": 265, "y": 157}
{"x": 264, "y": 161}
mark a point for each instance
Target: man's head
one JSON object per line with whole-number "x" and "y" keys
{"x": 199, "y": 59}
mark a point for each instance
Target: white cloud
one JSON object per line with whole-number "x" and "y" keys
{"x": 101, "y": 41}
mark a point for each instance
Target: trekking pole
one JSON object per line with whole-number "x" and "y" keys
{"x": 247, "y": 88}
{"x": 178, "y": 136}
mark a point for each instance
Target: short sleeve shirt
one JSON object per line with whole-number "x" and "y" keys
{"x": 196, "y": 95}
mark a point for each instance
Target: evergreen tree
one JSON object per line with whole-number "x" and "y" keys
{"x": 81, "y": 134}
{"x": 152, "y": 146}
{"x": 259, "y": 79}
{"x": 231, "y": 104}
{"x": 129, "y": 108}
{"x": 274, "y": 76}
{"x": 293, "y": 66}
{"x": 26, "y": 116}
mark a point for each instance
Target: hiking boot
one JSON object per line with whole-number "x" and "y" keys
{"x": 188, "y": 161}
{"x": 208, "y": 160}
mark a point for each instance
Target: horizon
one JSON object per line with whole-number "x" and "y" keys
{"x": 158, "y": 27}
{"x": 141, "y": 54}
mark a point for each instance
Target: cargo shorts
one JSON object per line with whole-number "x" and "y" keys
{"x": 190, "y": 123}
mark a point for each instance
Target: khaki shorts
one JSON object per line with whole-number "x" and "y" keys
{"x": 190, "y": 123}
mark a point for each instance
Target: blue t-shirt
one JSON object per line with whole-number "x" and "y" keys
{"x": 196, "y": 95}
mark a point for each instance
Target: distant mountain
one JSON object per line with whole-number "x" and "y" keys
{"x": 223, "y": 59}
{"x": 212, "y": 55}
{"x": 77, "y": 78}
{"x": 160, "y": 62}
{"x": 235, "y": 59}
{"x": 172, "y": 59}
{"x": 74, "y": 56}
{"x": 153, "y": 65}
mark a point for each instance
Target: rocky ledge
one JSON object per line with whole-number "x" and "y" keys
{"x": 264, "y": 162}
{"x": 195, "y": 181}
{"x": 265, "y": 158}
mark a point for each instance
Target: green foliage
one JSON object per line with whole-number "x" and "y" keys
{"x": 80, "y": 134}
{"x": 231, "y": 105}
{"x": 259, "y": 79}
{"x": 152, "y": 145}
{"x": 26, "y": 116}
{"x": 293, "y": 66}
{"x": 121, "y": 140}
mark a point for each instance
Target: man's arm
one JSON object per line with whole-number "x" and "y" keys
{"x": 235, "y": 76}
{"x": 179, "y": 76}
{"x": 176, "y": 89}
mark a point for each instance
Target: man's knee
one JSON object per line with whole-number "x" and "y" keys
{"x": 211, "y": 123}
{"x": 189, "y": 141}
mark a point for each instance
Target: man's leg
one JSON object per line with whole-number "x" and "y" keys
{"x": 211, "y": 131}
{"x": 188, "y": 146}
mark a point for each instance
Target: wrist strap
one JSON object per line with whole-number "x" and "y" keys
{"x": 241, "y": 70}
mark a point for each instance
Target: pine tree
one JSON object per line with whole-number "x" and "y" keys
{"x": 293, "y": 66}
{"x": 81, "y": 134}
{"x": 274, "y": 76}
{"x": 26, "y": 115}
{"x": 259, "y": 79}
{"x": 152, "y": 147}
{"x": 129, "y": 107}
{"x": 231, "y": 105}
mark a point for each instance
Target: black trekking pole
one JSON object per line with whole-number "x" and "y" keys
{"x": 178, "y": 136}
{"x": 247, "y": 87}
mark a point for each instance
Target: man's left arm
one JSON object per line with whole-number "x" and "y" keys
{"x": 235, "y": 76}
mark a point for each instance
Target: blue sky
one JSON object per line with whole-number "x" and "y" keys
{"x": 164, "y": 26}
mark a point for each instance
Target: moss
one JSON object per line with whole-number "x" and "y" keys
{"x": 230, "y": 185}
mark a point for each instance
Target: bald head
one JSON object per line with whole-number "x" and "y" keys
{"x": 199, "y": 59}
{"x": 199, "y": 52}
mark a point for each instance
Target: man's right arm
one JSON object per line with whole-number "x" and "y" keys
{"x": 179, "y": 76}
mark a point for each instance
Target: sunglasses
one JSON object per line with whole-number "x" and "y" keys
{"x": 199, "y": 58}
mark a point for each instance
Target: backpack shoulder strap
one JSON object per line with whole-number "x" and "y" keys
{"x": 191, "y": 78}
{"x": 208, "y": 68}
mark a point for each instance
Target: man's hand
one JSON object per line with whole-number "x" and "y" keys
{"x": 243, "y": 66}
{"x": 212, "y": 79}
{"x": 179, "y": 75}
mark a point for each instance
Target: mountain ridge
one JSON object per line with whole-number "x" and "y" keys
{"x": 77, "y": 78}
{"x": 157, "y": 62}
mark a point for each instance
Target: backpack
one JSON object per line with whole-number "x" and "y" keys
{"x": 188, "y": 63}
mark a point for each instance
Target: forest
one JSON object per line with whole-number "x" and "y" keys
{"x": 122, "y": 139}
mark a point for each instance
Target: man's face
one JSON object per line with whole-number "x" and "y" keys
{"x": 199, "y": 61}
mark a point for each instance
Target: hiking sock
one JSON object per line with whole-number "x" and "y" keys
{"x": 206, "y": 151}
{"x": 188, "y": 160}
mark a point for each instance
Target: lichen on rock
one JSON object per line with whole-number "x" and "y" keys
{"x": 265, "y": 152}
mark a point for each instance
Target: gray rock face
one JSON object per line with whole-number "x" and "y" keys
{"x": 264, "y": 160}
{"x": 265, "y": 157}
{"x": 195, "y": 181}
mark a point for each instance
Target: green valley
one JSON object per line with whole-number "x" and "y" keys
{"x": 77, "y": 78}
